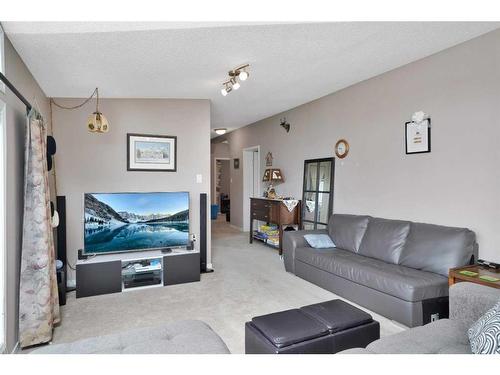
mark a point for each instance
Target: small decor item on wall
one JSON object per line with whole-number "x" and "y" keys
{"x": 156, "y": 153}
{"x": 269, "y": 159}
{"x": 341, "y": 148}
{"x": 236, "y": 163}
{"x": 285, "y": 125}
{"x": 418, "y": 134}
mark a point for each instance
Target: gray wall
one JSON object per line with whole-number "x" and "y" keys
{"x": 19, "y": 75}
{"x": 87, "y": 162}
{"x": 457, "y": 184}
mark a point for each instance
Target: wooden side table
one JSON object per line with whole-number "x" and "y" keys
{"x": 454, "y": 276}
{"x": 273, "y": 211}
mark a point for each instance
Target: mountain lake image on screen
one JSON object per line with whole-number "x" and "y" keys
{"x": 117, "y": 222}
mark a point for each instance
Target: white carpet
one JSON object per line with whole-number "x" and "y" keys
{"x": 249, "y": 280}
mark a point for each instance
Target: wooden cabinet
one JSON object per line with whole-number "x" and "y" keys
{"x": 273, "y": 211}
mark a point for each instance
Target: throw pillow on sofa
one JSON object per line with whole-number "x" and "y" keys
{"x": 319, "y": 241}
{"x": 484, "y": 335}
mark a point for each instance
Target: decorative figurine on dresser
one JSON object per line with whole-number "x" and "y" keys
{"x": 276, "y": 212}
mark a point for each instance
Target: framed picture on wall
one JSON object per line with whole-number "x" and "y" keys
{"x": 236, "y": 163}
{"x": 418, "y": 137}
{"x": 152, "y": 153}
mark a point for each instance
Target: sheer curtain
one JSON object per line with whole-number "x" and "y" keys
{"x": 38, "y": 299}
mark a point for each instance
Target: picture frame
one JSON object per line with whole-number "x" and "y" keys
{"x": 151, "y": 153}
{"x": 418, "y": 137}
{"x": 236, "y": 163}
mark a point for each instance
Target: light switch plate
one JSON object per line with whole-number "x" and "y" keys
{"x": 199, "y": 178}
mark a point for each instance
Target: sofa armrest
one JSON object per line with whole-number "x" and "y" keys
{"x": 292, "y": 241}
{"x": 469, "y": 301}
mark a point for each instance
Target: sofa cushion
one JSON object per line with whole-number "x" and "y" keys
{"x": 437, "y": 248}
{"x": 442, "y": 336}
{"x": 384, "y": 239}
{"x": 347, "y": 231}
{"x": 402, "y": 282}
{"x": 484, "y": 335}
{"x": 181, "y": 337}
{"x": 319, "y": 241}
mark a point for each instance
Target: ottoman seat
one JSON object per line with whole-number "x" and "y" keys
{"x": 289, "y": 327}
{"x": 322, "y": 328}
{"x": 337, "y": 315}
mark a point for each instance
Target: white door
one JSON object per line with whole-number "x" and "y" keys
{"x": 3, "y": 252}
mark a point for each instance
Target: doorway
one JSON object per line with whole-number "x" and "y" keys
{"x": 251, "y": 181}
{"x": 222, "y": 184}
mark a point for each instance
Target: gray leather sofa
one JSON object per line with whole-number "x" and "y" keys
{"x": 468, "y": 302}
{"x": 396, "y": 268}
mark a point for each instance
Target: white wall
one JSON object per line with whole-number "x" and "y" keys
{"x": 457, "y": 184}
{"x": 87, "y": 162}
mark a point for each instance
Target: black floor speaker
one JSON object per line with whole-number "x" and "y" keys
{"x": 203, "y": 233}
{"x": 61, "y": 248}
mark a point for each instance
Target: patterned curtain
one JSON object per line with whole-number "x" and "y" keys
{"x": 38, "y": 299}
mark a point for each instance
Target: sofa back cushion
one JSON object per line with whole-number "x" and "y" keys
{"x": 384, "y": 239}
{"x": 347, "y": 230}
{"x": 437, "y": 248}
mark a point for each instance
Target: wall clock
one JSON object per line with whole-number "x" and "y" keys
{"x": 341, "y": 148}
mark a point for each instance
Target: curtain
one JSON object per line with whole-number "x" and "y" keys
{"x": 38, "y": 298}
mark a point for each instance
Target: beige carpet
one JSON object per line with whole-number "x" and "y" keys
{"x": 249, "y": 280}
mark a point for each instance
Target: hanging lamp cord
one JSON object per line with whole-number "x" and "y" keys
{"x": 94, "y": 93}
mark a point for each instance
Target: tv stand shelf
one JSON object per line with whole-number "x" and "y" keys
{"x": 102, "y": 274}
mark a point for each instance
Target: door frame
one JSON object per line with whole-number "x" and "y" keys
{"x": 246, "y": 183}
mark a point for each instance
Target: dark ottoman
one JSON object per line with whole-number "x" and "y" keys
{"x": 322, "y": 328}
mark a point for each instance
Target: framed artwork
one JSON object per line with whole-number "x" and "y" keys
{"x": 155, "y": 153}
{"x": 418, "y": 137}
{"x": 236, "y": 163}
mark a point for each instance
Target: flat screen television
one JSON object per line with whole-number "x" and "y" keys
{"x": 118, "y": 222}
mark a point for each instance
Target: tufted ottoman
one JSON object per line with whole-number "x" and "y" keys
{"x": 183, "y": 337}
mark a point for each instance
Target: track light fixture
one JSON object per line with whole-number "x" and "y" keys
{"x": 237, "y": 75}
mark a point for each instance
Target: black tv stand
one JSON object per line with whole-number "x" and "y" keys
{"x": 102, "y": 274}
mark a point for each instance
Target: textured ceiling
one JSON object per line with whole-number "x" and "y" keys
{"x": 291, "y": 64}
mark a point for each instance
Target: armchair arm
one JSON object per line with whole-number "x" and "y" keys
{"x": 469, "y": 301}
{"x": 292, "y": 241}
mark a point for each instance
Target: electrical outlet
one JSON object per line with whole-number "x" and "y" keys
{"x": 434, "y": 317}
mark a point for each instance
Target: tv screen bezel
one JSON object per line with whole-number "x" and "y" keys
{"x": 134, "y": 250}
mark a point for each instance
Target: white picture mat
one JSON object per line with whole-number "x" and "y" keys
{"x": 162, "y": 164}
{"x": 417, "y": 137}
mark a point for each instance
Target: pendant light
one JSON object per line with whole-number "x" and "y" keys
{"x": 96, "y": 122}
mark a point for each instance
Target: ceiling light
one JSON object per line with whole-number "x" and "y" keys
{"x": 221, "y": 131}
{"x": 237, "y": 74}
{"x": 235, "y": 84}
{"x": 243, "y": 75}
{"x": 227, "y": 88}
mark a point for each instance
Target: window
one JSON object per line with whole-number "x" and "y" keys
{"x": 317, "y": 195}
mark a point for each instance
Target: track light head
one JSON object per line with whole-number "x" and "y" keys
{"x": 235, "y": 84}
{"x": 243, "y": 75}
{"x": 228, "y": 87}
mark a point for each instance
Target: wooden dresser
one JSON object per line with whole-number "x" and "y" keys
{"x": 273, "y": 211}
